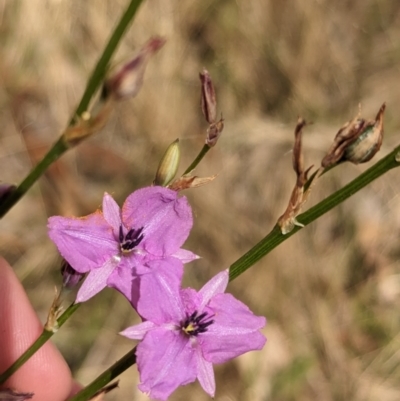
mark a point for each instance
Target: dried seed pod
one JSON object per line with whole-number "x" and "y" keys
{"x": 214, "y": 132}
{"x": 208, "y": 98}
{"x": 209, "y": 109}
{"x": 357, "y": 141}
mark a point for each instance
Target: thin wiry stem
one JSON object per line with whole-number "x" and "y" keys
{"x": 94, "y": 82}
{"x": 198, "y": 159}
{"x": 43, "y": 338}
{"x": 275, "y": 237}
{"x": 266, "y": 245}
{"x": 107, "y": 376}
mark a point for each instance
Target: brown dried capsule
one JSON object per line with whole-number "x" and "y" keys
{"x": 357, "y": 141}
{"x": 208, "y": 98}
{"x": 126, "y": 79}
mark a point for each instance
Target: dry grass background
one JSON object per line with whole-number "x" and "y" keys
{"x": 331, "y": 292}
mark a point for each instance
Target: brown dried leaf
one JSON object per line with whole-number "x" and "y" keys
{"x": 54, "y": 313}
{"x": 189, "y": 181}
{"x": 299, "y": 196}
{"x": 88, "y": 123}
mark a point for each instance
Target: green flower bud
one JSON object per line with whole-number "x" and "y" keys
{"x": 168, "y": 165}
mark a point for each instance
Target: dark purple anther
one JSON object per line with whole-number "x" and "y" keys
{"x": 196, "y": 324}
{"x": 131, "y": 239}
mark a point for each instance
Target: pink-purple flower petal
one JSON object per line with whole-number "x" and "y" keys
{"x": 124, "y": 279}
{"x": 166, "y": 219}
{"x": 217, "y": 285}
{"x": 138, "y": 331}
{"x": 96, "y": 280}
{"x": 159, "y": 299}
{"x": 205, "y": 374}
{"x": 165, "y": 362}
{"x": 85, "y": 243}
{"x": 235, "y": 330}
{"x": 111, "y": 212}
{"x": 185, "y": 256}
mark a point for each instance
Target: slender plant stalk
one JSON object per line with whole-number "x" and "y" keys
{"x": 54, "y": 153}
{"x": 198, "y": 159}
{"x": 107, "y": 376}
{"x": 43, "y": 338}
{"x": 266, "y": 245}
{"x": 275, "y": 237}
{"x": 59, "y": 148}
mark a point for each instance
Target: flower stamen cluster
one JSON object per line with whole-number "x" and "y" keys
{"x": 196, "y": 324}
{"x": 131, "y": 239}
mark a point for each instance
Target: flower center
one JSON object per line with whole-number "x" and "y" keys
{"x": 195, "y": 324}
{"x": 130, "y": 240}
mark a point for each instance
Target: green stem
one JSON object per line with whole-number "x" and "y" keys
{"x": 101, "y": 68}
{"x": 266, "y": 245}
{"x": 43, "y": 338}
{"x": 107, "y": 376}
{"x": 198, "y": 159}
{"x": 54, "y": 153}
{"x": 94, "y": 82}
{"x": 275, "y": 237}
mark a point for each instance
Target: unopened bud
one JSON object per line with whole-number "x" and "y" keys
{"x": 214, "y": 132}
{"x": 357, "y": 141}
{"x": 5, "y": 191}
{"x": 208, "y": 98}
{"x": 127, "y": 79}
{"x": 71, "y": 277}
{"x": 169, "y": 165}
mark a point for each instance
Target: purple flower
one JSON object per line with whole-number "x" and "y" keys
{"x": 116, "y": 247}
{"x": 185, "y": 332}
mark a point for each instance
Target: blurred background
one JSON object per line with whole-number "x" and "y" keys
{"x": 331, "y": 293}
